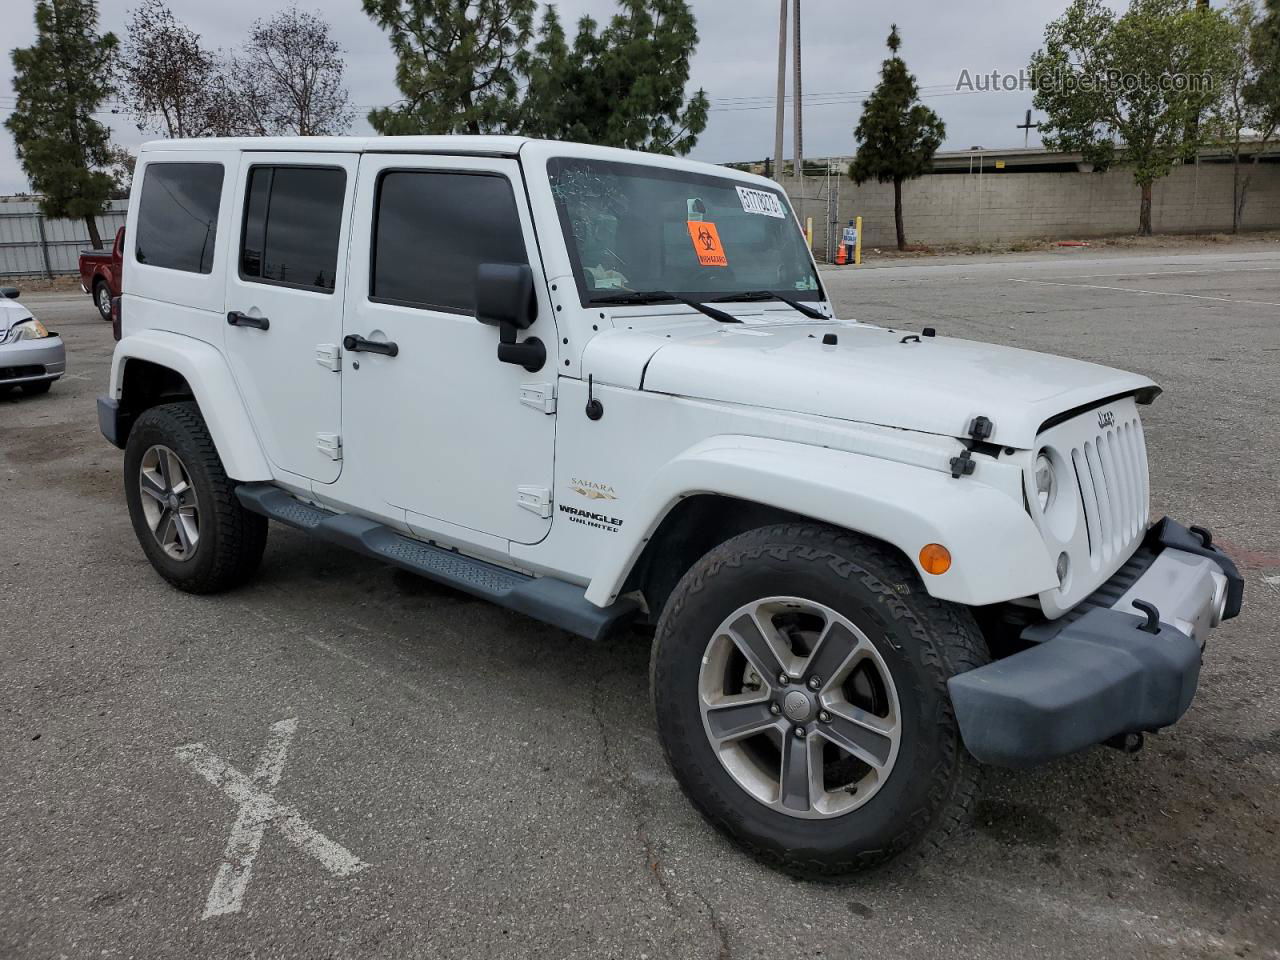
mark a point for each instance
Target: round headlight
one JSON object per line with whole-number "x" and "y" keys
{"x": 1046, "y": 481}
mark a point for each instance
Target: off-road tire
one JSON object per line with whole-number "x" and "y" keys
{"x": 232, "y": 539}
{"x": 923, "y": 641}
{"x": 40, "y": 386}
{"x": 98, "y": 287}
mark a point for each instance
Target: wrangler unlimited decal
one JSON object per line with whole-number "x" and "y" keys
{"x": 587, "y": 518}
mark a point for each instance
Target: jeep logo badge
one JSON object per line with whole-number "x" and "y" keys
{"x": 796, "y": 706}
{"x": 1106, "y": 419}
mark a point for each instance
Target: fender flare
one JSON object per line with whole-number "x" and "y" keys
{"x": 207, "y": 373}
{"x": 997, "y": 552}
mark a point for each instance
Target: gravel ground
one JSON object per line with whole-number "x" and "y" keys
{"x": 499, "y": 782}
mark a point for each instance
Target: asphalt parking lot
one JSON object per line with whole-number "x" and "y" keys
{"x": 462, "y": 782}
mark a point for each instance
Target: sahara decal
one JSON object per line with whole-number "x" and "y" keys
{"x": 592, "y": 490}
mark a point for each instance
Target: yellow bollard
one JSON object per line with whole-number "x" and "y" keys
{"x": 857, "y": 247}
{"x": 808, "y": 231}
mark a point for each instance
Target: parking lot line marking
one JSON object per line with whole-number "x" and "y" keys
{"x": 258, "y": 810}
{"x": 1167, "y": 273}
{"x": 1145, "y": 293}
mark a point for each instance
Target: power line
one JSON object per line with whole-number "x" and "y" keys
{"x": 828, "y": 93}
{"x": 843, "y": 101}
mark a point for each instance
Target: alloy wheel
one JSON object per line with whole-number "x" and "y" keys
{"x": 799, "y": 707}
{"x": 169, "y": 502}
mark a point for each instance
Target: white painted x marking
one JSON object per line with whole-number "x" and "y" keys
{"x": 258, "y": 810}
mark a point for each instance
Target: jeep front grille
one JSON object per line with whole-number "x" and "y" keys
{"x": 1112, "y": 478}
{"x": 1098, "y": 516}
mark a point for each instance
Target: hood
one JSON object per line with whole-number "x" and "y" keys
{"x": 11, "y": 311}
{"x": 890, "y": 378}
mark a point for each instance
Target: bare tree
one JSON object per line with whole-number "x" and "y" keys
{"x": 168, "y": 81}
{"x": 290, "y": 77}
{"x": 120, "y": 166}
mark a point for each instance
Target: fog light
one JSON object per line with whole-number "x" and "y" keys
{"x": 1064, "y": 568}
{"x": 935, "y": 558}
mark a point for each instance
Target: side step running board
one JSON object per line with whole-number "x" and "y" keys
{"x": 543, "y": 598}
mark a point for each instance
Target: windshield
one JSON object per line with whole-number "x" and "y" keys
{"x": 633, "y": 227}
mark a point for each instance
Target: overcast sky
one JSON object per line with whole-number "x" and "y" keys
{"x": 736, "y": 63}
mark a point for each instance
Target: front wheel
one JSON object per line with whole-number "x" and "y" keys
{"x": 799, "y": 679}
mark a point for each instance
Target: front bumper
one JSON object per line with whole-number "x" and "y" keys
{"x": 1108, "y": 668}
{"x": 30, "y": 361}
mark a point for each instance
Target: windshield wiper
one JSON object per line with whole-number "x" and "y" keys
{"x": 808, "y": 311}
{"x": 662, "y": 296}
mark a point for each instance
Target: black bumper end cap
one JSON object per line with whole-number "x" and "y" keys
{"x": 112, "y": 422}
{"x": 1100, "y": 677}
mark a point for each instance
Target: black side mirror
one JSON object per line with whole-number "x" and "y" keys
{"x": 505, "y": 299}
{"x": 11, "y": 293}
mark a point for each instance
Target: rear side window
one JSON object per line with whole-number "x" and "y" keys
{"x": 431, "y": 230}
{"x": 292, "y": 222}
{"x": 178, "y": 216}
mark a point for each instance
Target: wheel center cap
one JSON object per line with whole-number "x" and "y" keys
{"x": 797, "y": 706}
{"x": 174, "y": 502}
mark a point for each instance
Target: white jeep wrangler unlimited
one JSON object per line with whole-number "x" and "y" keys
{"x": 600, "y": 387}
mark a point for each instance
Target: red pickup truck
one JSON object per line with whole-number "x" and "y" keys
{"x": 100, "y": 274}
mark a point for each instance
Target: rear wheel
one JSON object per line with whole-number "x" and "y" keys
{"x": 799, "y": 678}
{"x": 102, "y": 299}
{"x": 183, "y": 505}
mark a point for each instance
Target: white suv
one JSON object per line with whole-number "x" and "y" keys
{"x": 604, "y": 388}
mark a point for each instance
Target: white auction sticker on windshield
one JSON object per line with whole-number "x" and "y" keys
{"x": 762, "y": 202}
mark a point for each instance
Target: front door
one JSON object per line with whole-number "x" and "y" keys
{"x": 439, "y": 430}
{"x": 284, "y": 303}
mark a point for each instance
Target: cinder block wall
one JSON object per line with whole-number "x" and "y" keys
{"x": 1003, "y": 206}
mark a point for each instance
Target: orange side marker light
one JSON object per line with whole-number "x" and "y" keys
{"x": 935, "y": 558}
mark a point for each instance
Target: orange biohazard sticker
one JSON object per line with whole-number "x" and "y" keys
{"x": 706, "y": 242}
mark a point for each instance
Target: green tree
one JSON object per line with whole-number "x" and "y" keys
{"x": 1247, "y": 115}
{"x": 1263, "y": 91}
{"x": 897, "y": 134}
{"x": 621, "y": 86}
{"x": 455, "y": 63}
{"x": 1131, "y": 89}
{"x": 60, "y": 81}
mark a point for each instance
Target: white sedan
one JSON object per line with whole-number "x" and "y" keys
{"x": 30, "y": 356}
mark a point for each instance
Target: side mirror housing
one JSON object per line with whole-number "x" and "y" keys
{"x": 504, "y": 295}
{"x": 11, "y": 293}
{"x": 505, "y": 299}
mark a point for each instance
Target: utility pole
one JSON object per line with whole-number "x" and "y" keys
{"x": 782, "y": 92}
{"x": 795, "y": 93}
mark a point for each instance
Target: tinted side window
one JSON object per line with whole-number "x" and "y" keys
{"x": 178, "y": 216}
{"x": 431, "y": 230}
{"x": 292, "y": 221}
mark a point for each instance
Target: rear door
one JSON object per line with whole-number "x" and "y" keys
{"x": 284, "y": 305}
{"x": 440, "y": 430}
